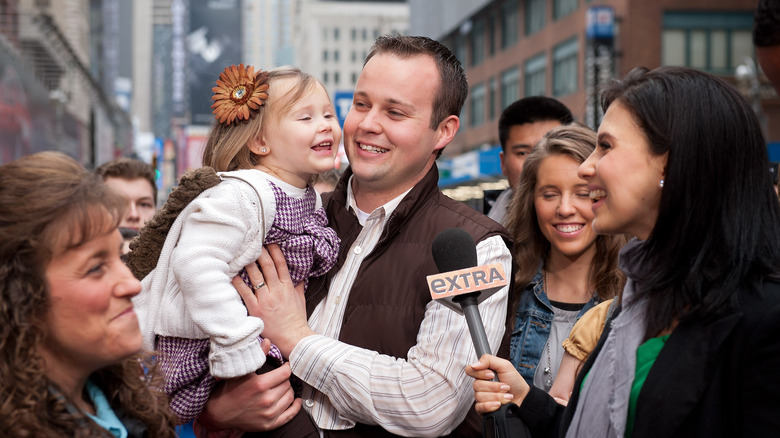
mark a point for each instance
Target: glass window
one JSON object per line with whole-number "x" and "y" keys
{"x": 460, "y": 49}
{"x": 336, "y": 78}
{"x": 336, "y": 33}
{"x": 477, "y": 105}
{"x": 673, "y": 42}
{"x": 535, "y": 76}
{"x": 562, "y": 8}
{"x": 510, "y": 86}
{"x": 718, "y": 50}
{"x": 336, "y": 55}
{"x": 565, "y": 67}
{"x": 713, "y": 41}
{"x": 490, "y": 35}
{"x": 478, "y": 43}
{"x": 324, "y": 55}
{"x": 508, "y": 23}
{"x": 698, "y": 51}
{"x": 325, "y": 78}
{"x": 354, "y": 34}
{"x": 534, "y": 16}
{"x": 741, "y": 46}
{"x": 492, "y": 99}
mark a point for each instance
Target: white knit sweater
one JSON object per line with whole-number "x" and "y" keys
{"x": 189, "y": 294}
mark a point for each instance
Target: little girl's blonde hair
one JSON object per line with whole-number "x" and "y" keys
{"x": 227, "y": 147}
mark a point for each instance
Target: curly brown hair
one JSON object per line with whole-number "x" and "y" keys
{"x": 49, "y": 202}
{"x": 575, "y": 141}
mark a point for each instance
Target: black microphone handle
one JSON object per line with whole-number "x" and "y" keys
{"x": 477, "y": 329}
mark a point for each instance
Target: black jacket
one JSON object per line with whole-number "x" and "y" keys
{"x": 719, "y": 379}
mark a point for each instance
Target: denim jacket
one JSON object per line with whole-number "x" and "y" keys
{"x": 532, "y": 321}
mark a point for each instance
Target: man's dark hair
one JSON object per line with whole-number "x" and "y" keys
{"x": 766, "y": 24}
{"x": 531, "y": 110}
{"x": 129, "y": 169}
{"x": 453, "y": 86}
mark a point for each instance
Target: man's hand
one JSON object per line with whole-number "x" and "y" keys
{"x": 255, "y": 402}
{"x": 279, "y": 303}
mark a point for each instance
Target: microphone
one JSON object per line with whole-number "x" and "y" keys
{"x": 462, "y": 285}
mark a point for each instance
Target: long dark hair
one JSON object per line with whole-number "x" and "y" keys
{"x": 718, "y": 227}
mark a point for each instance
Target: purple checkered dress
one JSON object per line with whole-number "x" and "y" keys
{"x": 310, "y": 249}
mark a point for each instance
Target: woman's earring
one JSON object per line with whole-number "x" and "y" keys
{"x": 661, "y": 184}
{"x": 264, "y": 150}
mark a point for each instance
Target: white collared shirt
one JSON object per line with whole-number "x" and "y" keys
{"x": 428, "y": 394}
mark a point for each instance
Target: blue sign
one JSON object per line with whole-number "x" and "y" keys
{"x": 774, "y": 151}
{"x": 342, "y": 100}
{"x": 600, "y": 22}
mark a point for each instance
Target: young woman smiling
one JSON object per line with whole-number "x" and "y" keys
{"x": 564, "y": 266}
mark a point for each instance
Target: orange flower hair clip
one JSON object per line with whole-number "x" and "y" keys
{"x": 239, "y": 90}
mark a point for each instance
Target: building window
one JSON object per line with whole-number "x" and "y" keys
{"x": 477, "y": 105}
{"x": 535, "y": 76}
{"x": 459, "y": 49}
{"x": 562, "y": 8}
{"x": 715, "y": 42}
{"x": 325, "y": 78}
{"x": 336, "y": 33}
{"x": 492, "y": 99}
{"x": 534, "y": 16}
{"x": 336, "y": 78}
{"x": 336, "y": 55}
{"x": 490, "y": 34}
{"x": 354, "y": 78}
{"x": 354, "y": 56}
{"x": 324, "y": 55}
{"x": 478, "y": 43}
{"x": 354, "y": 34}
{"x": 510, "y": 87}
{"x": 565, "y": 67}
{"x": 508, "y": 23}
{"x": 365, "y": 34}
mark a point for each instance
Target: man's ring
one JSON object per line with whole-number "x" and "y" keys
{"x": 262, "y": 283}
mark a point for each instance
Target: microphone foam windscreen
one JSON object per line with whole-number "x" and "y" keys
{"x": 454, "y": 249}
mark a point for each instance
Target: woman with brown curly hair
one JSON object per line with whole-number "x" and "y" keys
{"x": 72, "y": 363}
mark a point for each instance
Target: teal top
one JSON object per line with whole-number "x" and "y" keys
{"x": 646, "y": 355}
{"x": 105, "y": 416}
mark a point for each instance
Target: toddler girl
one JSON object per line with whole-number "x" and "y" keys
{"x": 275, "y": 131}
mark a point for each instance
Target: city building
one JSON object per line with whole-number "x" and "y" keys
{"x": 55, "y": 87}
{"x": 332, "y": 38}
{"x": 566, "y": 48}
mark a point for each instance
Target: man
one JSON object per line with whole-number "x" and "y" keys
{"x": 381, "y": 358}
{"x": 521, "y": 125}
{"x": 766, "y": 38}
{"x": 135, "y": 180}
